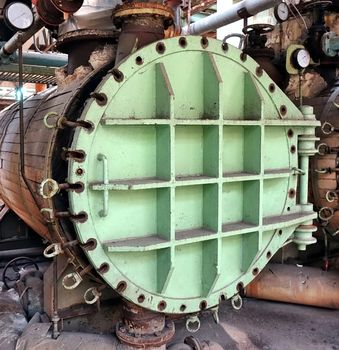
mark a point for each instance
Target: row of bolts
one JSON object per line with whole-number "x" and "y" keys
{"x": 327, "y": 213}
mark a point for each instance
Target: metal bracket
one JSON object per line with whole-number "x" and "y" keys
{"x": 48, "y": 188}
{"x": 236, "y": 302}
{"x": 103, "y": 158}
{"x": 92, "y": 295}
{"x": 74, "y": 278}
{"x": 53, "y": 250}
{"x": 190, "y": 322}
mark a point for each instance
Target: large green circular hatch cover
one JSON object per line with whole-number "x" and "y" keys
{"x": 190, "y": 174}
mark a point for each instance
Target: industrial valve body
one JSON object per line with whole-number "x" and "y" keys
{"x": 179, "y": 175}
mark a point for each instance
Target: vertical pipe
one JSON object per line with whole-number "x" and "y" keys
{"x": 304, "y": 179}
{"x": 22, "y": 130}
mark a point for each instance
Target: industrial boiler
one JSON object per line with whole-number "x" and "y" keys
{"x": 165, "y": 179}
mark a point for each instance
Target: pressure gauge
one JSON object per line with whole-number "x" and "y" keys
{"x": 282, "y": 12}
{"x": 19, "y": 16}
{"x": 301, "y": 59}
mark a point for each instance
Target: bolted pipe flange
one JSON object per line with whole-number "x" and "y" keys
{"x": 142, "y": 9}
{"x": 154, "y": 339}
{"x": 143, "y": 328}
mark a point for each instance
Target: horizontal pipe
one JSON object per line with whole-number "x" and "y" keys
{"x": 243, "y": 9}
{"x": 12, "y": 253}
{"x": 45, "y": 59}
{"x": 19, "y": 38}
{"x": 296, "y": 285}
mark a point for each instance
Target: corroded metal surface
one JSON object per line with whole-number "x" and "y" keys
{"x": 324, "y": 166}
{"x": 297, "y": 285}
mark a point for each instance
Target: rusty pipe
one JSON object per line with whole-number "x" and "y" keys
{"x": 296, "y": 285}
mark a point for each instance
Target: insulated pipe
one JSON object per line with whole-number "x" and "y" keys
{"x": 19, "y": 38}
{"x": 44, "y": 59}
{"x": 296, "y": 285}
{"x": 243, "y": 9}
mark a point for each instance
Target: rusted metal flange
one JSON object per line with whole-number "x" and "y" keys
{"x": 66, "y": 40}
{"x": 142, "y": 9}
{"x": 144, "y": 328}
{"x": 68, "y": 6}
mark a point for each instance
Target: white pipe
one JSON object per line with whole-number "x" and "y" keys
{"x": 243, "y": 9}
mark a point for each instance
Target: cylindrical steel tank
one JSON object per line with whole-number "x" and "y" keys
{"x": 179, "y": 173}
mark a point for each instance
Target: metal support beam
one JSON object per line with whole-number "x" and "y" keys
{"x": 243, "y": 9}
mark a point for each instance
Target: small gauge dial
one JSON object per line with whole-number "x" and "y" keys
{"x": 301, "y": 58}
{"x": 282, "y": 12}
{"x": 19, "y": 16}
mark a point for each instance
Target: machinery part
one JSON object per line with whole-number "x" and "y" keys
{"x": 297, "y": 59}
{"x": 72, "y": 280}
{"x": 166, "y": 241}
{"x": 196, "y": 344}
{"x": 80, "y": 44}
{"x": 303, "y": 234}
{"x": 192, "y": 343}
{"x": 327, "y": 128}
{"x": 281, "y": 12}
{"x": 144, "y": 328}
{"x": 36, "y": 251}
{"x": 255, "y": 46}
{"x": 90, "y": 30}
{"x": 40, "y": 145}
{"x": 242, "y": 9}
{"x": 186, "y": 148}
{"x": 20, "y": 38}
{"x": 23, "y": 21}
{"x": 42, "y": 59}
{"x": 301, "y": 59}
{"x": 67, "y": 6}
{"x": 32, "y": 74}
{"x": 236, "y": 302}
{"x": 258, "y": 29}
{"x": 193, "y": 324}
{"x": 237, "y": 35}
{"x": 52, "y": 11}
{"x": 30, "y": 290}
{"x": 297, "y": 285}
{"x": 141, "y": 23}
{"x": 48, "y": 188}
{"x": 324, "y": 179}
{"x": 14, "y": 265}
{"x": 93, "y": 14}
{"x": 53, "y": 250}
{"x": 330, "y": 44}
{"x": 92, "y": 295}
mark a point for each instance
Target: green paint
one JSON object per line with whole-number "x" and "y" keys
{"x": 199, "y": 167}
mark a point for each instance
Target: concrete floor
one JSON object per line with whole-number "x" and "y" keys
{"x": 271, "y": 326}
{"x": 258, "y": 325}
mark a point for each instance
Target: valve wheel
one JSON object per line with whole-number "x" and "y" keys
{"x": 258, "y": 28}
{"x": 9, "y": 278}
